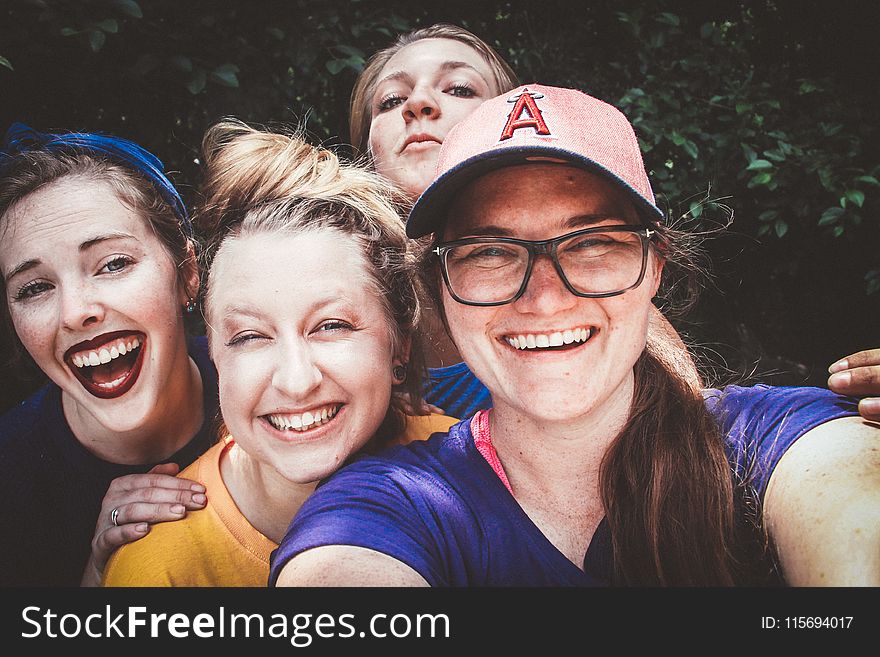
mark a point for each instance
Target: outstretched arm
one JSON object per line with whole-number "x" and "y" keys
{"x": 822, "y": 506}
{"x": 858, "y": 375}
{"x": 344, "y": 565}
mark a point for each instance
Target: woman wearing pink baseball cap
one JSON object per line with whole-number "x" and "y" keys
{"x": 598, "y": 464}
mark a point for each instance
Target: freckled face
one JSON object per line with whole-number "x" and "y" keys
{"x": 537, "y": 202}
{"x": 95, "y": 299}
{"x": 423, "y": 91}
{"x": 303, "y": 348}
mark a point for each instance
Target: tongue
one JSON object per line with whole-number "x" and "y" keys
{"x": 113, "y": 370}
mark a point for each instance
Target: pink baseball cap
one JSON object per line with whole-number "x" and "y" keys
{"x": 536, "y": 123}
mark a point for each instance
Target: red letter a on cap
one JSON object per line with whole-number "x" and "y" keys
{"x": 533, "y": 119}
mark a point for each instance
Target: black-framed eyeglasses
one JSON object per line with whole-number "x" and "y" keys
{"x": 593, "y": 262}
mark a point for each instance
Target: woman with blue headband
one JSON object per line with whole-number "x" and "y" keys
{"x": 98, "y": 263}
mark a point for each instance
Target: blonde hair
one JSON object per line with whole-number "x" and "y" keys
{"x": 359, "y": 111}
{"x": 258, "y": 181}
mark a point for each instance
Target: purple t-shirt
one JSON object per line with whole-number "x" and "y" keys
{"x": 438, "y": 507}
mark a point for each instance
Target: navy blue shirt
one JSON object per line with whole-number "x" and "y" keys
{"x": 51, "y": 487}
{"x": 438, "y": 506}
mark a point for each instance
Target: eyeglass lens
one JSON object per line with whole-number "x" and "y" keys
{"x": 593, "y": 263}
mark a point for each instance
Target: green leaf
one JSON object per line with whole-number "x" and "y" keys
{"x": 759, "y": 165}
{"x": 775, "y": 154}
{"x": 226, "y": 75}
{"x": 335, "y": 65}
{"x": 760, "y": 179}
{"x": 855, "y": 196}
{"x": 871, "y": 180}
{"x": 763, "y": 230}
{"x": 837, "y": 231}
{"x": 68, "y": 31}
{"x": 197, "y": 82}
{"x": 96, "y": 40}
{"x": 750, "y": 154}
{"x": 676, "y": 138}
{"x": 768, "y": 215}
{"x": 6, "y": 63}
{"x": 669, "y": 19}
{"x": 690, "y": 148}
{"x": 780, "y": 227}
{"x": 807, "y": 87}
{"x": 742, "y": 108}
{"x": 830, "y": 216}
{"x": 696, "y": 209}
{"x": 108, "y": 25}
{"x": 350, "y": 50}
{"x": 130, "y": 8}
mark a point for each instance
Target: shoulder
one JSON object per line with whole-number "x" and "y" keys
{"x": 33, "y": 432}
{"x": 760, "y": 423}
{"x": 26, "y": 415}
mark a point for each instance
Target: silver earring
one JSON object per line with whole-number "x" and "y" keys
{"x": 190, "y": 305}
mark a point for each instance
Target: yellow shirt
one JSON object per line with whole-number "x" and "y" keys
{"x": 215, "y": 546}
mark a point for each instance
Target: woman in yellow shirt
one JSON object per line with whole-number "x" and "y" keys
{"x": 311, "y": 307}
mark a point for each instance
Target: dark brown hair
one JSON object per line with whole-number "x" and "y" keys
{"x": 666, "y": 485}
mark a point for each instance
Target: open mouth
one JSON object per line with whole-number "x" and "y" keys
{"x": 555, "y": 341}
{"x": 108, "y": 366}
{"x": 302, "y": 422}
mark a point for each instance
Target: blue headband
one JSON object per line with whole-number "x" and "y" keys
{"x": 21, "y": 139}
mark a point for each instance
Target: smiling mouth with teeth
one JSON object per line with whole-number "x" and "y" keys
{"x": 558, "y": 340}
{"x": 109, "y": 365}
{"x": 301, "y": 422}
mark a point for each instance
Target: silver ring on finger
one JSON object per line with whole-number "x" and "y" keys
{"x": 114, "y": 516}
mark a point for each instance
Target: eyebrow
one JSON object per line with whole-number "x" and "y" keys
{"x": 89, "y": 243}
{"x": 579, "y": 221}
{"x": 445, "y": 67}
{"x": 84, "y": 246}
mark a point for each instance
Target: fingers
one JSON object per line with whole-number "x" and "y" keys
{"x": 148, "y": 512}
{"x": 866, "y": 358}
{"x": 857, "y": 381}
{"x": 106, "y": 542}
{"x": 870, "y": 409}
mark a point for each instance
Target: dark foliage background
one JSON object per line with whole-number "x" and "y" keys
{"x": 767, "y": 108}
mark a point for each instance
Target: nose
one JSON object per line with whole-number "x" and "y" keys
{"x": 297, "y": 371}
{"x": 545, "y": 292}
{"x": 81, "y": 307}
{"x": 421, "y": 103}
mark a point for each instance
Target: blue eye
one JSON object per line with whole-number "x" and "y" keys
{"x": 390, "y": 102}
{"x": 334, "y": 325}
{"x": 31, "y": 290}
{"x": 117, "y": 264}
{"x": 461, "y": 91}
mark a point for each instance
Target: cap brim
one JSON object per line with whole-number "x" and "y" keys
{"x": 428, "y": 215}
